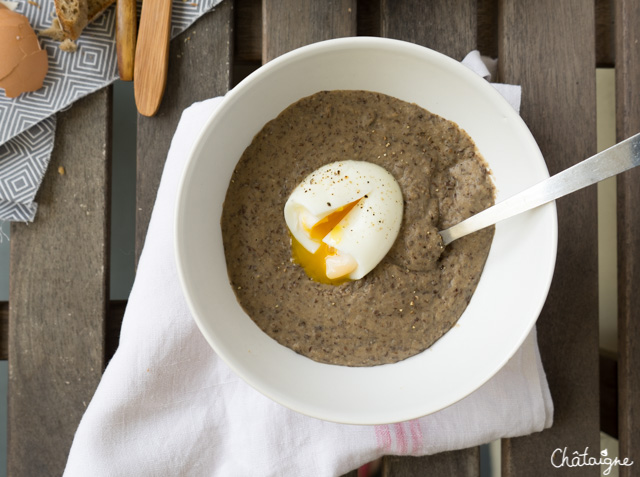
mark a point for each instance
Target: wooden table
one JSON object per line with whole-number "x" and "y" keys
{"x": 62, "y": 329}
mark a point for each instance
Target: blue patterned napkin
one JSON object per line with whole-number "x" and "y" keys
{"x": 27, "y": 123}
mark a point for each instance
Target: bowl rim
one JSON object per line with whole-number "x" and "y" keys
{"x": 227, "y": 102}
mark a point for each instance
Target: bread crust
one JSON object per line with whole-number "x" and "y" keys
{"x": 68, "y": 27}
{"x": 72, "y": 24}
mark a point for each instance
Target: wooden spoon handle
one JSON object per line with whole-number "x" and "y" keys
{"x": 152, "y": 55}
{"x": 126, "y": 26}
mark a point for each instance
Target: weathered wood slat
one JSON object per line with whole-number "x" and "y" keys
{"x": 248, "y": 39}
{"x": 58, "y": 293}
{"x": 115, "y": 312}
{"x": 193, "y": 76}
{"x": 627, "y": 43}
{"x": 450, "y": 28}
{"x": 488, "y": 30}
{"x": 458, "y": 463}
{"x": 552, "y": 55}
{"x": 290, "y": 24}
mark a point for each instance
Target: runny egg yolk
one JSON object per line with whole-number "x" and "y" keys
{"x": 314, "y": 264}
{"x": 343, "y": 219}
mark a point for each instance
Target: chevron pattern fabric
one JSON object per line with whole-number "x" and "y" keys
{"x": 23, "y": 162}
{"x": 27, "y": 123}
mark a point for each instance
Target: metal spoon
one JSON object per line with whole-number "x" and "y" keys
{"x": 619, "y": 158}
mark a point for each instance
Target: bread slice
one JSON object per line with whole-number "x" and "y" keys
{"x": 73, "y": 16}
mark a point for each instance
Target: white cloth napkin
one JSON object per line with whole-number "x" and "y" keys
{"x": 168, "y": 405}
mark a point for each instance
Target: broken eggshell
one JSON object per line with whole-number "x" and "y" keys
{"x": 23, "y": 64}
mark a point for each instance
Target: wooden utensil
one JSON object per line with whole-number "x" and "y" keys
{"x": 152, "y": 55}
{"x": 126, "y": 26}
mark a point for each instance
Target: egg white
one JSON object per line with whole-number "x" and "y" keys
{"x": 368, "y": 231}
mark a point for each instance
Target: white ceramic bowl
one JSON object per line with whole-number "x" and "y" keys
{"x": 511, "y": 291}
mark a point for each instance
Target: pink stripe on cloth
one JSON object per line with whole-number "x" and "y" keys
{"x": 383, "y": 437}
{"x": 416, "y": 436}
{"x": 401, "y": 438}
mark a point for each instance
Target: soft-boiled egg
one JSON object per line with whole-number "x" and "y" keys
{"x": 343, "y": 218}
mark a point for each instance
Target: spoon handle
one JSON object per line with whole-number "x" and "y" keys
{"x": 623, "y": 156}
{"x": 152, "y": 55}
